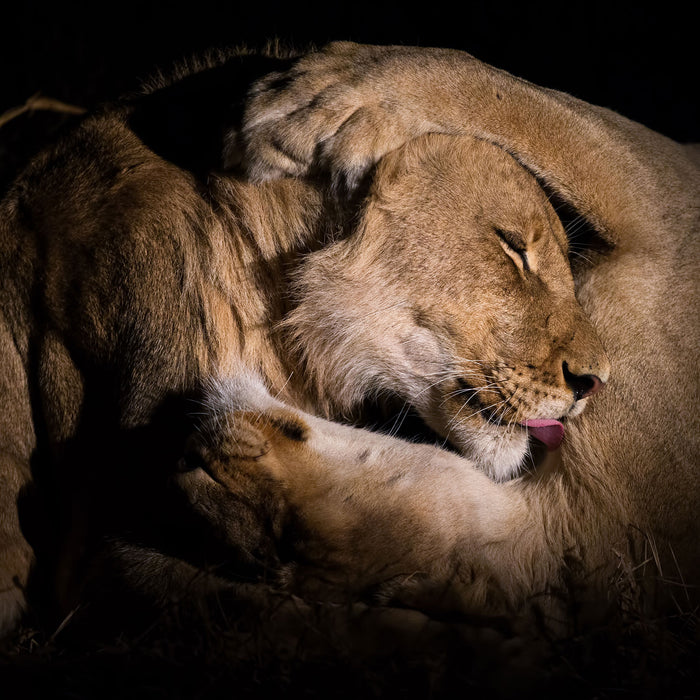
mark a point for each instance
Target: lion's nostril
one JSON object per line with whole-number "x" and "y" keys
{"x": 583, "y": 385}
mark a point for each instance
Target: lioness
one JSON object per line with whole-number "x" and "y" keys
{"x": 134, "y": 273}
{"x": 627, "y": 490}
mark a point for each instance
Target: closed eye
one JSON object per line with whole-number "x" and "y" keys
{"x": 514, "y": 246}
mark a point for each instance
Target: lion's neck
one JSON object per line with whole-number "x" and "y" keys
{"x": 259, "y": 235}
{"x": 269, "y": 220}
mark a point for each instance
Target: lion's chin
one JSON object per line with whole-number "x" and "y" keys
{"x": 501, "y": 455}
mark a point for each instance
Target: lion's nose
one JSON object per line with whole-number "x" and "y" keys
{"x": 583, "y": 385}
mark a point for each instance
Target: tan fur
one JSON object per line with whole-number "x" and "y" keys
{"x": 122, "y": 286}
{"x": 626, "y": 493}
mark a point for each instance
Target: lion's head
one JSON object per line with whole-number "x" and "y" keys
{"x": 454, "y": 293}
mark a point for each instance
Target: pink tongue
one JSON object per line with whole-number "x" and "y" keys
{"x": 550, "y": 432}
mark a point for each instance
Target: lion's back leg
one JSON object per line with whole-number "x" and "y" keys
{"x": 17, "y": 443}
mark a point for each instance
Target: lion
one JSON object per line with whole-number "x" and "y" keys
{"x": 138, "y": 272}
{"x": 622, "y": 495}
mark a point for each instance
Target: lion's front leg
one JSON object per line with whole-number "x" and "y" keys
{"x": 341, "y": 109}
{"x": 348, "y": 511}
{"x": 16, "y": 555}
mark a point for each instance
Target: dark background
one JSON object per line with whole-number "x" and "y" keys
{"x": 640, "y": 60}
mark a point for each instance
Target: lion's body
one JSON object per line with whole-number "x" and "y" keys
{"x": 130, "y": 282}
{"x": 121, "y": 289}
{"x": 625, "y": 495}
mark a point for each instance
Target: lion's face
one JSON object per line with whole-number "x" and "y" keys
{"x": 454, "y": 293}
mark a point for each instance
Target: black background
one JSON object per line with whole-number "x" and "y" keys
{"x": 638, "y": 59}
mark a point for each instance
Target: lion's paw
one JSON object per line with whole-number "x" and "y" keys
{"x": 334, "y": 111}
{"x": 244, "y": 441}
